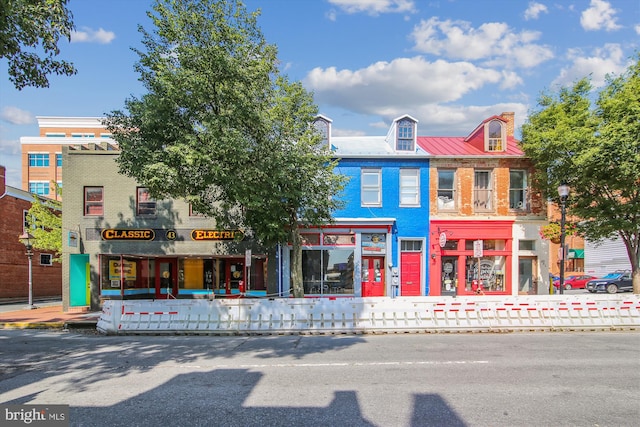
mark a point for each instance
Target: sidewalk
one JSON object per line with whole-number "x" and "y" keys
{"x": 46, "y": 317}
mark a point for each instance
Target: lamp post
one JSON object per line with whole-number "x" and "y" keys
{"x": 27, "y": 240}
{"x": 563, "y": 192}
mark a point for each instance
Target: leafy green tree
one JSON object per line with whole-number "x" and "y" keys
{"x": 595, "y": 149}
{"x": 37, "y": 25}
{"x": 291, "y": 180}
{"x": 45, "y": 222}
{"x": 220, "y": 128}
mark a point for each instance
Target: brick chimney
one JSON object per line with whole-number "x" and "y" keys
{"x": 3, "y": 181}
{"x": 510, "y": 117}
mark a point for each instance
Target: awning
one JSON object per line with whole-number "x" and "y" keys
{"x": 575, "y": 253}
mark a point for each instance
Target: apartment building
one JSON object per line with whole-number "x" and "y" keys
{"x": 42, "y": 155}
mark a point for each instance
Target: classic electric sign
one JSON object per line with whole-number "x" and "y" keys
{"x": 128, "y": 234}
{"x": 200, "y": 235}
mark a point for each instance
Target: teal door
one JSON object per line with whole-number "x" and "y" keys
{"x": 79, "y": 284}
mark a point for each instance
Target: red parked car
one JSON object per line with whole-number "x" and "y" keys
{"x": 574, "y": 281}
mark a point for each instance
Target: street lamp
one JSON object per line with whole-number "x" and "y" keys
{"x": 563, "y": 192}
{"x": 27, "y": 240}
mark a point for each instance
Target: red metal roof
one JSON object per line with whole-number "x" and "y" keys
{"x": 471, "y": 146}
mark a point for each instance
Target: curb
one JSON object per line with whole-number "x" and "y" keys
{"x": 67, "y": 324}
{"x": 32, "y": 325}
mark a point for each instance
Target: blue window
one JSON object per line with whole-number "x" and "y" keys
{"x": 39, "y": 187}
{"x": 39, "y": 160}
{"x": 59, "y": 160}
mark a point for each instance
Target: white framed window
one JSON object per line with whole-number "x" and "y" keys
{"x": 323, "y": 126}
{"x": 446, "y": 190}
{"x": 26, "y": 218}
{"x": 405, "y": 140}
{"x": 93, "y": 201}
{"x": 371, "y": 187}
{"x": 482, "y": 191}
{"x": 41, "y": 188}
{"x": 39, "y": 160}
{"x": 518, "y": 190}
{"x": 495, "y": 136}
{"x": 46, "y": 259}
{"x": 145, "y": 204}
{"x": 409, "y": 187}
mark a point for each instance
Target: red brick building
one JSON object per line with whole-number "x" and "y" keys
{"x": 484, "y": 217}
{"x": 14, "y": 270}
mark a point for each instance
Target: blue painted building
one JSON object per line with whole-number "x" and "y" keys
{"x": 378, "y": 243}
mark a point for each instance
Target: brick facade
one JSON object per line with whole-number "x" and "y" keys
{"x": 55, "y": 132}
{"x": 14, "y": 271}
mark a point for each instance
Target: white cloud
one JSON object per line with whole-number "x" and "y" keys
{"x": 607, "y": 60}
{"x": 375, "y": 7}
{"x": 437, "y": 120}
{"x": 534, "y": 10}
{"x": 637, "y": 28}
{"x": 599, "y": 15}
{"x": 494, "y": 42}
{"x": 404, "y": 84}
{"x": 89, "y": 35}
{"x": 16, "y": 116}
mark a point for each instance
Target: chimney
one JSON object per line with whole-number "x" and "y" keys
{"x": 3, "y": 181}
{"x": 510, "y": 117}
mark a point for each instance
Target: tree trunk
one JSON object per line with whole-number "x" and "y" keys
{"x": 296, "y": 264}
{"x": 633, "y": 251}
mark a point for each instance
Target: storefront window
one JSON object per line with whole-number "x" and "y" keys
{"x": 328, "y": 271}
{"x": 488, "y": 271}
{"x": 487, "y": 245}
{"x": 222, "y": 276}
{"x": 310, "y": 239}
{"x": 135, "y": 275}
{"x": 451, "y": 245}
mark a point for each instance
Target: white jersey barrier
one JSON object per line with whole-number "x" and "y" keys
{"x": 371, "y": 315}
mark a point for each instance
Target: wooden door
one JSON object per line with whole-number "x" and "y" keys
{"x": 410, "y": 273}
{"x": 373, "y": 282}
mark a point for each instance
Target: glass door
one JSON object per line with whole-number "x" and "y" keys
{"x": 166, "y": 278}
{"x": 449, "y": 274}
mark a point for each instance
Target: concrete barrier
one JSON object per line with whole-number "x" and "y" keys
{"x": 372, "y": 315}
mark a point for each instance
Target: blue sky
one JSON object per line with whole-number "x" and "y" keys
{"x": 448, "y": 63}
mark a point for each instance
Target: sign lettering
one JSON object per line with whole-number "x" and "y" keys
{"x": 203, "y": 235}
{"x": 133, "y": 234}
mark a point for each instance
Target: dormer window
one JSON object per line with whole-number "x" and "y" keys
{"x": 495, "y": 139}
{"x": 405, "y": 140}
{"x": 323, "y": 126}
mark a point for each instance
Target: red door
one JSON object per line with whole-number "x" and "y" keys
{"x": 410, "y": 273}
{"x": 372, "y": 276}
{"x": 166, "y": 278}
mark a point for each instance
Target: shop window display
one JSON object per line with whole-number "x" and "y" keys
{"x": 327, "y": 271}
{"x": 136, "y": 276}
{"x": 489, "y": 272}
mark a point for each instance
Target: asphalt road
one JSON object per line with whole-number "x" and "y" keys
{"x": 514, "y": 379}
